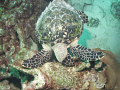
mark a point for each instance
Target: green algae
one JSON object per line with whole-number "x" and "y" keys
{"x": 93, "y": 22}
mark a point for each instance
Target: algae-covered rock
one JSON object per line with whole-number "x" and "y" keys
{"x": 93, "y": 22}
{"x": 115, "y": 9}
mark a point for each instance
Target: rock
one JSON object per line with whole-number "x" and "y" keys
{"x": 112, "y": 70}
{"x": 115, "y": 8}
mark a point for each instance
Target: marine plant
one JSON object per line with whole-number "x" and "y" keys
{"x": 93, "y": 22}
{"x": 115, "y": 9}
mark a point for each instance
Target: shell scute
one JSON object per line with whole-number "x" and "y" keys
{"x": 58, "y": 23}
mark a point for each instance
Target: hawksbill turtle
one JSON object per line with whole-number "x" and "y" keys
{"x": 57, "y": 29}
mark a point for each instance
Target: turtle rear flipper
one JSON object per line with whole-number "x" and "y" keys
{"x": 85, "y": 53}
{"x": 83, "y": 16}
{"x": 39, "y": 59}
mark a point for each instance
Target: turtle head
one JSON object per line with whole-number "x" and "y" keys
{"x": 60, "y": 50}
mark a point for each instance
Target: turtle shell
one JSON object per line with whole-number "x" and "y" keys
{"x": 59, "y": 22}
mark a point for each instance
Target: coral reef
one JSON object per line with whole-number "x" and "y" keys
{"x": 55, "y": 76}
{"x": 22, "y": 15}
{"x": 3, "y": 4}
{"x": 115, "y": 7}
{"x": 9, "y": 47}
{"x": 4, "y": 85}
{"x": 17, "y": 24}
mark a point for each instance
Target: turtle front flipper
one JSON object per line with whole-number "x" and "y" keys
{"x": 39, "y": 59}
{"x": 83, "y": 16}
{"x": 68, "y": 61}
{"x": 85, "y": 53}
